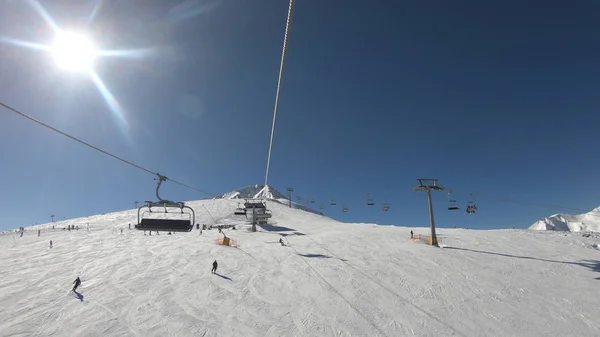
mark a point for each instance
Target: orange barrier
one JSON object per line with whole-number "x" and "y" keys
{"x": 226, "y": 242}
{"x": 425, "y": 238}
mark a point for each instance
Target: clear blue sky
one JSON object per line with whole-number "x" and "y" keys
{"x": 495, "y": 98}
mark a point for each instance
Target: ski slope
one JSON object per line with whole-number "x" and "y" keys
{"x": 334, "y": 279}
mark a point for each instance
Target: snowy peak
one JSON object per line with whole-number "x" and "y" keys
{"x": 254, "y": 192}
{"x": 586, "y": 222}
{"x": 265, "y": 192}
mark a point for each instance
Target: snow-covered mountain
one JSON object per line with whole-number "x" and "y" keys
{"x": 265, "y": 192}
{"x": 586, "y": 222}
{"x": 254, "y": 192}
{"x": 330, "y": 279}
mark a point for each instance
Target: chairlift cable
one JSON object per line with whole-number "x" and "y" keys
{"x": 283, "y": 53}
{"x": 529, "y": 203}
{"x": 100, "y": 150}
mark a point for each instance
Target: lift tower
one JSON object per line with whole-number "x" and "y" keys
{"x": 430, "y": 185}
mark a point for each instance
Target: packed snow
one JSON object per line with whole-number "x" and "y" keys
{"x": 586, "y": 222}
{"x": 330, "y": 279}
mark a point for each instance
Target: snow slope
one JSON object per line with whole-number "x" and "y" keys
{"x": 333, "y": 279}
{"x": 587, "y": 222}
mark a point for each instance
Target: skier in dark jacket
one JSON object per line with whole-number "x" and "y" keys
{"x": 77, "y": 283}
{"x": 214, "y": 268}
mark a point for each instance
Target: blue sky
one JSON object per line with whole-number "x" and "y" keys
{"x": 495, "y": 98}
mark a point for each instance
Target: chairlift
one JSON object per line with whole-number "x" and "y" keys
{"x": 370, "y": 201}
{"x": 169, "y": 223}
{"x": 344, "y": 209}
{"x": 452, "y": 203}
{"x": 312, "y": 201}
{"x": 332, "y": 202}
{"x": 471, "y": 206}
{"x": 385, "y": 207}
{"x": 321, "y": 206}
{"x": 240, "y": 210}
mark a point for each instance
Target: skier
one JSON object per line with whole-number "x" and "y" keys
{"x": 214, "y": 269}
{"x": 77, "y": 283}
{"x": 129, "y": 226}
{"x": 121, "y": 230}
{"x": 281, "y": 241}
{"x": 50, "y": 243}
{"x": 39, "y": 231}
{"x": 411, "y": 234}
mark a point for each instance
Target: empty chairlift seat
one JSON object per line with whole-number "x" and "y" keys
{"x": 184, "y": 222}
{"x": 165, "y": 225}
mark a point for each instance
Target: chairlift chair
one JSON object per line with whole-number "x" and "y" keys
{"x": 344, "y": 209}
{"x": 239, "y": 210}
{"x": 370, "y": 201}
{"x": 385, "y": 207}
{"x": 452, "y": 203}
{"x": 321, "y": 206}
{"x": 471, "y": 206}
{"x": 168, "y": 223}
{"x": 332, "y": 203}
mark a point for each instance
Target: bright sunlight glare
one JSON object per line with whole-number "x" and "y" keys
{"x": 73, "y": 52}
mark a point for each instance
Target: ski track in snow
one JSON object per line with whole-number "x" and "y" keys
{"x": 332, "y": 279}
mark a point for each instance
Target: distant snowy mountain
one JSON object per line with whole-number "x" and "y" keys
{"x": 587, "y": 222}
{"x": 265, "y": 192}
{"x": 254, "y": 192}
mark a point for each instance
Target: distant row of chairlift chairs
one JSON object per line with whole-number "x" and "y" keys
{"x": 384, "y": 207}
{"x": 452, "y": 205}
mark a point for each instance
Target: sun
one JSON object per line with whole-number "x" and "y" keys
{"x": 74, "y": 52}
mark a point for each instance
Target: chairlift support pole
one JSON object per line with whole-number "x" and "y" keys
{"x": 290, "y": 190}
{"x": 160, "y": 179}
{"x": 430, "y": 185}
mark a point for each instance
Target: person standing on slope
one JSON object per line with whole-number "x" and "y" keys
{"x": 214, "y": 268}
{"x": 77, "y": 283}
{"x": 50, "y": 243}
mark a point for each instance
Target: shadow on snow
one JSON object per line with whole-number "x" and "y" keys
{"x": 593, "y": 265}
